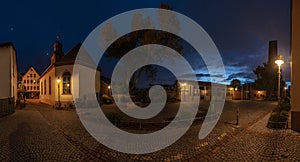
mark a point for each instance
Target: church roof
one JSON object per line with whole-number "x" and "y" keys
{"x": 71, "y": 56}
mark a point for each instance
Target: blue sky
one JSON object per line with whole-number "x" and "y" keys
{"x": 241, "y": 29}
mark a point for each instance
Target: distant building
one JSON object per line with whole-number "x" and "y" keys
{"x": 30, "y": 83}
{"x": 172, "y": 90}
{"x": 57, "y": 82}
{"x": 8, "y": 79}
{"x": 187, "y": 90}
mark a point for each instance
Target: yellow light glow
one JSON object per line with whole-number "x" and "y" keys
{"x": 108, "y": 87}
{"x": 58, "y": 80}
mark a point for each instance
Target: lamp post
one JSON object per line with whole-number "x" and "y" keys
{"x": 108, "y": 87}
{"x": 279, "y": 62}
{"x": 58, "y": 91}
{"x": 285, "y": 89}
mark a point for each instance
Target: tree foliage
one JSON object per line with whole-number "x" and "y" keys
{"x": 143, "y": 37}
{"x": 267, "y": 79}
{"x": 235, "y": 83}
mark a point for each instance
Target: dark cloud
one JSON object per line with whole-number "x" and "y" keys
{"x": 245, "y": 75}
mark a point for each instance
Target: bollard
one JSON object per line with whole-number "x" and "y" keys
{"x": 237, "y": 116}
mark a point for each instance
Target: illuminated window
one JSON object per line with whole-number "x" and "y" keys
{"x": 66, "y": 83}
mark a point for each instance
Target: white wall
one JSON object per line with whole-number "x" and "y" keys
{"x": 8, "y": 72}
{"x": 48, "y": 98}
{"x": 14, "y": 74}
{"x": 58, "y": 71}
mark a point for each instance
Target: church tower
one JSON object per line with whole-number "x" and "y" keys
{"x": 273, "y": 52}
{"x": 57, "y": 52}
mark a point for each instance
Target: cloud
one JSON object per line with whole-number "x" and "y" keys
{"x": 245, "y": 75}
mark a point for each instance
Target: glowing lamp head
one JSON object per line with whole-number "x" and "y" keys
{"x": 58, "y": 80}
{"x": 279, "y": 61}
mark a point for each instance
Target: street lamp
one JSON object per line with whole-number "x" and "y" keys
{"x": 58, "y": 91}
{"x": 279, "y": 62}
{"x": 108, "y": 90}
{"x": 285, "y": 89}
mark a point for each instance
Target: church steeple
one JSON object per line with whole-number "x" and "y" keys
{"x": 57, "y": 51}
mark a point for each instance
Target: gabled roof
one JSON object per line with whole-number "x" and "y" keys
{"x": 72, "y": 54}
{"x": 6, "y": 44}
{"x": 105, "y": 79}
{"x": 29, "y": 69}
{"x": 70, "y": 58}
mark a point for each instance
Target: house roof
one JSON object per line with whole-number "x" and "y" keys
{"x": 29, "y": 69}
{"x": 105, "y": 79}
{"x": 7, "y": 44}
{"x": 71, "y": 57}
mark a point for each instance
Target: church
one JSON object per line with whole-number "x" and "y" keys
{"x": 57, "y": 82}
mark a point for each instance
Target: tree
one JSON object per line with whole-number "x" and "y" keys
{"x": 235, "y": 83}
{"x": 143, "y": 37}
{"x": 267, "y": 79}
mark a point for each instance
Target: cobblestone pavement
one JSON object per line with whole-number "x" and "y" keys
{"x": 58, "y": 135}
{"x": 27, "y": 136}
{"x": 258, "y": 143}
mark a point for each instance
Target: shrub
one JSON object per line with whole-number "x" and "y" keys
{"x": 285, "y": 106}
{"x": 106, "y": 99}
{"x": 280, "y": 115}
{"x": 172, "y": 99}
{"x": 114, "y": 118}
{"x": 71, "y": 105}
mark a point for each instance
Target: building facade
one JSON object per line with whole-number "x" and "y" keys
{"x": 30, "y": 84}
{"x": 8, "y": 79}
{"x": 295, "y": 66}
{"x": 58, "y": 85}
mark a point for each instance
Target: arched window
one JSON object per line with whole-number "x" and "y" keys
{"x": 42, "y": 88}
{"x": 49, "y": 85}
{"x": 66, "y": 83}
{"x": 45, "y": 87}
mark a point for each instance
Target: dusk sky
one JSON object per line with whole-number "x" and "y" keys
{"x": 241, "y": 29}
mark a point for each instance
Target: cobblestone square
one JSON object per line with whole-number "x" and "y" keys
{"x": 41, "y": 133}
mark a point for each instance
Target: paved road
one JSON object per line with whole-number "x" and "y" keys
{"x": 39, "y": 133}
